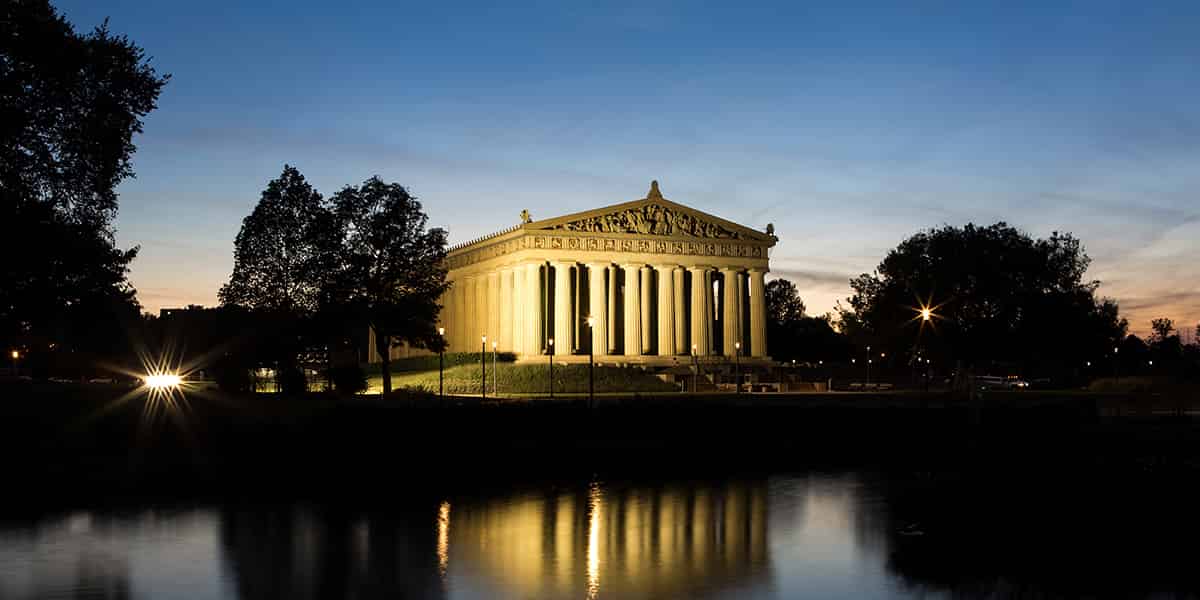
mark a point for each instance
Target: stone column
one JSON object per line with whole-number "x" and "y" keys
{"x": 633, "y": 309}
{"x": 741, "y": 313}
{"x": 612, "y": 311}
{"x": 517, "y": 309}
{"x": 758, "y": 314}
{"x": 647, "y": 335}
{"x": 666, "y": 310}
{"x": 471, "y": 332}
{"x": 448, "y": 316}
{"x": 533, "y": 308}
{"x": 701, "y": 310}
{"x": 492, "y": 318}
{"x": 729, "y": 317}
{"x": 563, "y": 342}
{"x": 504, "y": 312}
{"x": 598, "y": 307}
{"x": 681, "y": 325}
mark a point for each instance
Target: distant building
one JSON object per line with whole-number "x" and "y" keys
{"x": 166, "y": 313}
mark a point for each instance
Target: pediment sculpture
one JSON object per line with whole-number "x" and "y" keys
{"x": 652, "y": 219}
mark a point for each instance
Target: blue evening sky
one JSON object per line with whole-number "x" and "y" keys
{"x": 848, "y": 125}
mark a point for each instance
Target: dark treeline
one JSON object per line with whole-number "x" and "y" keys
{"x": 999, "y": 302}
{"x": 70, "y": 105}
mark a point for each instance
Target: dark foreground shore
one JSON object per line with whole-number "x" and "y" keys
{"x": 98, "y": 440}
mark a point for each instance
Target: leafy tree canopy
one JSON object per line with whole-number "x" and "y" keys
{"x": 393, "y": 268}
{"x": 997, "y": 295}
{"x": 70, "y": 105}
{"x": 286, "y": 252}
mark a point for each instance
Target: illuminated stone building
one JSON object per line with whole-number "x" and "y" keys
{"x": 643, "y": 282}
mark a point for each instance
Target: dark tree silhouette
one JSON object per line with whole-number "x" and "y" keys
{"x": 286, "y": 252}
{"x": 1163, "y": 329}
{"x": 70, "y": 105}
{"x": 792, "y": 335}
{"x": 998, "y": 295}
{"x": 783, "y": 301}
{"x": 393, "y": 269}
{"x": 285, "y": 258}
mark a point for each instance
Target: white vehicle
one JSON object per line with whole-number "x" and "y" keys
{"x": 991, "y": 382}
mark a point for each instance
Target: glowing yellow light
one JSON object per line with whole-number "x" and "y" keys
{"x": 593, "y": 545}
{"x": 160, "y": 381}
{"x": 737, "y": 345}
{"x": 551, "y": 341}
{"x": 926, "y": 314}
{"x": 591, "y": 321}
{"x": 443, "y": 537}
{"x": 441, "y": 331}
{"x": 483, "y": 338}
{"x": 494, "y": 344}
{"x": 16, "y": 355}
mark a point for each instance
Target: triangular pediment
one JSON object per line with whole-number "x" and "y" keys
{"x": 653, "y": 216}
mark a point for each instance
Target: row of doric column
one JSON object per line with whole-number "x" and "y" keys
{"x": 634, "y": 309}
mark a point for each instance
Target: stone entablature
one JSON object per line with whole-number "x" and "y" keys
{"x": 612, "y": 244}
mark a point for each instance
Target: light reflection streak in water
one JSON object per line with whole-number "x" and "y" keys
{"x": 443, "y": 538}
{"x": 593, "y": 548}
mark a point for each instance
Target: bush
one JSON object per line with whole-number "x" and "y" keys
{"x": 233, "y": 377}
{"x": 290, "y": 380}
{"x": 348, "y": 379}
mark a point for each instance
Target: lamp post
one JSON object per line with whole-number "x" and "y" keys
{"x": 591, "y": 322}
{"x": 868, "y": 365}
{"x": 441, "y": 364}
{"x": 550, "y": 354}
{"x": 15, "y": 356}
{"x": 1117, "y": 363}
{"x": 483, "y": 366}
{"x": 495, "y": 386}
{"x": 695, "y": 370}
{"x": 737, "y": 367}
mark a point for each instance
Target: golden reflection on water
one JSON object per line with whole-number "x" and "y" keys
{"x": 443, "y": 538}
{"x": 663, "y": 541}
{"x": 593, "y": 551}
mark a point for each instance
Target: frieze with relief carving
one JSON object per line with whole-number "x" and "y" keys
{"x": 652, "y": 219}
{"x": 543, "y": 242}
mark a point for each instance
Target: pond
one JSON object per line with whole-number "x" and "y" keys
{"x": 835, "y": 534}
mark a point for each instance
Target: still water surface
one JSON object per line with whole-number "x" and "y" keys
{"x": 816, "y": 535}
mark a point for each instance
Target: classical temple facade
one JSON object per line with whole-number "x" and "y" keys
{"x": 644, "y": 282}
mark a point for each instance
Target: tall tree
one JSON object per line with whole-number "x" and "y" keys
{"x": 286, "y": 251}
{"x": 70, "y": 105}
{"x": 1162, "y": 328}
{"x": 997, "y": 295}
{"x": 783, "y": 301}
{"x": 393, "y": 267}
{"x": 285, "y": 257}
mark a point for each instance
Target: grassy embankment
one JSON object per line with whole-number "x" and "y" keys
{"x": 510, "y": 379}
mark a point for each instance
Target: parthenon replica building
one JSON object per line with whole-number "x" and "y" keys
{"x": 644, "y": 282}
